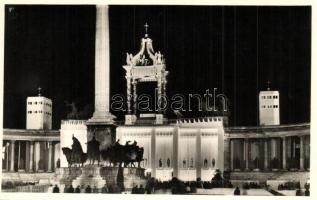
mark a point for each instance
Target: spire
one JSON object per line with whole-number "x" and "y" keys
{"x": 39, "y": 89}
{"x": 268, "y": 85}
{"x": 146, "y": 26}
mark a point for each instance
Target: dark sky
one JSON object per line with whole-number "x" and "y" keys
{"x": 236, "y": 49}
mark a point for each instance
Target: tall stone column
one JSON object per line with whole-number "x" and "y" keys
{"x": 284, "y": 152}
{"x": 198, "y": 154}
{"x": 31, "y": 156}
{"x": 101, "y": 125}
{"x": 231, "y": 154}
{"x": 12, "y": 156}
{"x": 246, "y": 153}
{"x": 302, "y": 154}
{"x": 135, "y": 97}
{"x": 175, "y": 152}
{"x": 265, "y": 155}
{"x": 102, "y": 68}
{"x": 128, "y": 93}
{"x": 49, "y": 162}
{"x": 36, "y": 156}
{"x": 153, "y": 152}
{"x": 159, "y": 91}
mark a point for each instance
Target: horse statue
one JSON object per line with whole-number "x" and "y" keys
{"x": 93, "y": 151}
{"x": 126, "y": 154}
{"x": 75, "y": 155}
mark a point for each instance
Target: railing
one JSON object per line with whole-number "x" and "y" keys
{"x": 28, "y": 188}
{"x": 73, "y": 122}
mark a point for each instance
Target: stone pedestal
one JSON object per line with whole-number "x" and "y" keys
{"x": 98, "y": 176}
{"x": 90, "y": 176}
{"x": 104, "y": 133}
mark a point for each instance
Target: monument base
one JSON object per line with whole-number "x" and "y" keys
{"x": 104, "y": 133}
{"x": 90, "y": 176}
{"x": 96, "y": 175}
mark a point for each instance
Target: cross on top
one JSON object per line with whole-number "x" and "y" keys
{"x": 146, "y": 27}
{"x": 268, "y": 85}
{"x": 39, "y": 89}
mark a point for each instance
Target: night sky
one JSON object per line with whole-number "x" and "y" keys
{"x": 236, "y": 49}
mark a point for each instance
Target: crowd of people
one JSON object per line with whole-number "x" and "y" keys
{"x": 288, "y": 186}
{"x": 87, "y": 189}
{"x": 252, "y": 185}
{"x": 295, "y": 186}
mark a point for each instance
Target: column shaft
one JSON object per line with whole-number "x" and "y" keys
{"x": 102, "y": 67}
{"x": 31, "y": 156}
{"x": 153, "y": 157}
{"x": 284, "y": 152}
{"x": 135, "y": 97}
{"x": 246, "y": 153}
{"x": 36, "y": 156}
{"x": 231, "y": 154}
{"x": 159, "y": 92}
{"x": 19, "y": 153}
{"x": 128, "y": 94}
{"x": 265, "y": 155}
{"x": 49, "y": 162}
{"x": 175, "y": 153}
{"x": 198, "y": 154}
{"x": 302, "y": 154}
{"x": 12, "y": 156}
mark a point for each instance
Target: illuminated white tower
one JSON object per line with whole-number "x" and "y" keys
{"x": 269, "y": 107}
{"x": 38, "y": 112}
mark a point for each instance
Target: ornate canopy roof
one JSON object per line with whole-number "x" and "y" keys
{"x": 146, "y": 56}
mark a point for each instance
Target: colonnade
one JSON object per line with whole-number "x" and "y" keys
{"x": 272, "y": 153}
{"x": 29, "y": 156}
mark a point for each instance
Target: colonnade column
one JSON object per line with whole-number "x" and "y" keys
{"x": 36, "y": 155}
{"x": 31, "y": 156}
{"x": 49, "y": 164}
{"x": 153, "y": 157}
{"x": 231, "y": 154}
{"x": 265, "y": 155}
{"x": 159, "y": 91}
{"x": 128, "y": 93}
{"x": 12, "y": 155}
{"x": 302, "y": 154}
{"x": 175, "y": 153}
{"x": 284, "y": 152}
{"x": 134, "y": 82}
{"x": 198, "y": 154}
{"x": 246, "y": 153}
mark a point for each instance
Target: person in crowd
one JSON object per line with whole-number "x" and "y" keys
{"x": 307, "y": 192}
{"x": 66, "y": 189}
{"x": 141, "y": 190}
{"x": 236, "y": 191}
{"x": 82, "y": 189}
{"x": 88, "y": 189}
{"x": 56, "y": 189}
{"x": 104, "y": 189}
{"x": 298, "y": 192}
{"x": 187, "y": 189}
{"x": 77, "y": 190}
{"x": 50, "y": 188}
{"x": 135, "y": 189}
{"x": 110, "y": 189}
{"x": 71, "y": 189}
{"x": 95, "y": 189}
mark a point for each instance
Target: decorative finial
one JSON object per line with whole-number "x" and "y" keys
{"x": 146, "y": 27}
{"x": 39, "y": 89}
{"x": 268, "y": 85}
